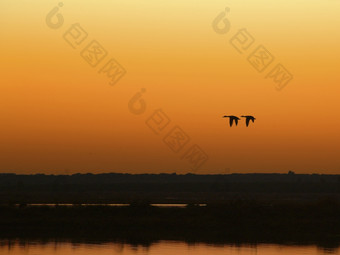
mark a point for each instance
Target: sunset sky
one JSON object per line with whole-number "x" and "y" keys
{"x": 60, "y": 115}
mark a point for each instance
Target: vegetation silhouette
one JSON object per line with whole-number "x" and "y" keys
{"x": 163, "y": 188}
{"x": 240, "y": 208}
{"x": 237, "y": 221}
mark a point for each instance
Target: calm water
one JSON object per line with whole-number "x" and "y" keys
{"x": 160, "y": 248}
{"x": 156, "y": 205}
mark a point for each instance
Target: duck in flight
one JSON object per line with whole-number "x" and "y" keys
{"x": 248, "y": 119}
{"x": 232, "y": 119}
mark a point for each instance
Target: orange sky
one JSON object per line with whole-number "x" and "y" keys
{"x": 60, "y": 115}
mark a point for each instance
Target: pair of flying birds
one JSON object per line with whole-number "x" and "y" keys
{"x": 235, "y": 119}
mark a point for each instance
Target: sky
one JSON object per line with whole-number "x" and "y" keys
{"x": 141, "y": 86}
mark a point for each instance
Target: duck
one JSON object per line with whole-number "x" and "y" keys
{"x": 248, "y": 119}
{"x": 232, "y": 119}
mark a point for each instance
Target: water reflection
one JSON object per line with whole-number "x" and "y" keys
{"x": 22, "y": 247}
{"x": 114, "y": 205}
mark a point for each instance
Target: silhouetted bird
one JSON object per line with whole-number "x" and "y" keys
{"x": 232, "y": 119}
{"x": 248, "y": 118}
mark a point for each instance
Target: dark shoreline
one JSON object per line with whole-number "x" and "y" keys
{"x": 241, "y": 208}
{"x": 165, "y": 188}
{"x": 236, "y": 222}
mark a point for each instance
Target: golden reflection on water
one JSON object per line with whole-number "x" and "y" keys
{"x": 160, "y": 248}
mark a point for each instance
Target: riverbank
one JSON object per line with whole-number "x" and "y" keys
{"x": 237, "y": 221}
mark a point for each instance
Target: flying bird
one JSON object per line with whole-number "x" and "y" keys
{"x": 232, "y": 119}
{"x": 248, "y": 119}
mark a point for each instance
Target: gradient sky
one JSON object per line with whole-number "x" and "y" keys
{"x": 59, "y": 115}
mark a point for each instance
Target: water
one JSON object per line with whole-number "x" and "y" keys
{"x": 160, "y": 248}
{"x": 156, "y": 205}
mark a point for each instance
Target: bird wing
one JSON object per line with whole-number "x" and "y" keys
{"x": 230, "y": 121}
{"x": 236, "y": 121}
{"x": 247, "y": 122}
{"x": 253, "y": 119}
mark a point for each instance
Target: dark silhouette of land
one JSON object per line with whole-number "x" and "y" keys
{"x": 239, "y": 221}
{"x": 164, "y": 188}
{"x": 277, "y": 208}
